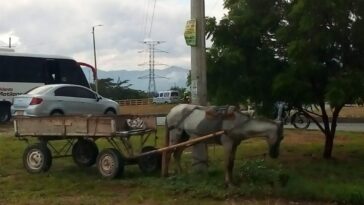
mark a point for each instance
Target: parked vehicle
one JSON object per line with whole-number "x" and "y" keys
{"x": 170, "y": 96}
{"x": 62, "y": 99}
{"x": 21, "y": 72}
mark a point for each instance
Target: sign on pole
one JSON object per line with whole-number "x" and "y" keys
{"x": 190, "y": 33}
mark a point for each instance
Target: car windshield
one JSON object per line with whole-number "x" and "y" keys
{"x": 39, "y": 90}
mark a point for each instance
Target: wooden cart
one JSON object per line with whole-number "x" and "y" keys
{"x": 78, "y": 135}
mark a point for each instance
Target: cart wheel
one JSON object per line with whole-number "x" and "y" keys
{"x": 85, "y": 152}
{"x": 150, "y": 163}
{"x": 37, "y": 158}
{"x": 110, "y": 163}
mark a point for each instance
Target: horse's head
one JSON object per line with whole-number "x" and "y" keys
{"x": 274, "y": 140}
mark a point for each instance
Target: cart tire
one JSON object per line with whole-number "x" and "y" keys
{"x": 151, "y": 163}
{"x": 37, "y": 158}
{"x": 84, "y": 153}
{"x": 110, "y": 163}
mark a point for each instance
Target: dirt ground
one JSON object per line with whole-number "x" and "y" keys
{"x": 352, "y": 112}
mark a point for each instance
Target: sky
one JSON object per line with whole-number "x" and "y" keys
{"x": 64, "y": 27}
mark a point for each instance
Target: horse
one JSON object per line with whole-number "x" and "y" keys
{"x": 187, "y": 121}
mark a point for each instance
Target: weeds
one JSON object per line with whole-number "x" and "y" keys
{"x": 295, "y": 176}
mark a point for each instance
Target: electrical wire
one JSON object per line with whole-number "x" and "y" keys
{"x": 152, "y": 20}
{"x": 146, "y": 18}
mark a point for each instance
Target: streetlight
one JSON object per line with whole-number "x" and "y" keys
{"x": 93, "y": 37}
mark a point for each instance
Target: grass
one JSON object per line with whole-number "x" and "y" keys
{"x": 299, "y": 176}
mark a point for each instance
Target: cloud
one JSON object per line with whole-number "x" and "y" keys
{"x": 63, "y": 27}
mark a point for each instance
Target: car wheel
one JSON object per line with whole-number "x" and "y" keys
{"x": 4, "y": 113}
{"x": 110, "y": 112}
{"x": 57, "y": 113}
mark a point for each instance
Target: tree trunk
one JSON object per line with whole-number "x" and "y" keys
{"x": 329, "y": 143}
{"x": 330, "y": 134}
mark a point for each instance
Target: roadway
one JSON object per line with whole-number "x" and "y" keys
{"x": 347, "y": 126}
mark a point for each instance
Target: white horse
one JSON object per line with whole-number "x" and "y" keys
{"x": 187, "y": 121}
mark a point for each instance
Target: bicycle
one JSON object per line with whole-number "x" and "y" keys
{"x": 297, "y": 118}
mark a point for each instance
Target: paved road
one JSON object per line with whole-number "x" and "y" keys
{"x": 354, "y": 127}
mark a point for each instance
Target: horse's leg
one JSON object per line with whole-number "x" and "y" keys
{"x": 232, "y": 161}
{"x": 229, "y": 155}
{"x": 177, "y": 158}
{"x": 175, "y": 138}
{"x": 167, "y": 159}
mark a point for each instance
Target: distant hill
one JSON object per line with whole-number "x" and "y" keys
{"x": 174, "y": 76}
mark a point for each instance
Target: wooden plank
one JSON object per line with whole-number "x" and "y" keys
{"x": 77, "y": 125}
{"x": 164, "y": 170}
{"x": 184, "y": 144}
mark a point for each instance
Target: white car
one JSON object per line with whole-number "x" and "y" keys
{"x": 164, "y": 97}
{"x": 62, "y": 99}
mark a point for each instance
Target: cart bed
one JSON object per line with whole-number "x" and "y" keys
{"x": 81, "y": 126}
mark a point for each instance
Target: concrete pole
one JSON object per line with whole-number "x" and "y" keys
{"x": 198, "y": 79}
{"x": 94, "y": 44}
{"x": 95, "y": 65}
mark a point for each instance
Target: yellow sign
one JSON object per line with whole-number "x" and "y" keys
{"x": 190, "y": 33}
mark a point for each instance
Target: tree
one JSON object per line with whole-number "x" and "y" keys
{"x": 299, "y": 51}
{"x": 324, "y": 48}
{"x": 242, "y": 57}
{"x": 119, "y": 90}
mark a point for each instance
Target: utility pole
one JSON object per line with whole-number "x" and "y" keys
{"x": 9, "y": 42}
{"x": 198, "y": 79}
{"x": 96, "y": 76}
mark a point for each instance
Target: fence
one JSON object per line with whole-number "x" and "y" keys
{"x": 144, "y": 101}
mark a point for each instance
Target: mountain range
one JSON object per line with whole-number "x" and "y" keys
{"x": 164, "y": 78}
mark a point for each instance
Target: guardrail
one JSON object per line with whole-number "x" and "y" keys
{"x": 144, "y": 101}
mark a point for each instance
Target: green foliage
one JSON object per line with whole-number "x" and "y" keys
{"x": 242, "y": 58}
{"x": 119, "y": 90}
{"x": 290, "y": 178}
{"x": 321, "y": 51}
{"x": 257, "y": 172}
{"x": 301, "y": 52}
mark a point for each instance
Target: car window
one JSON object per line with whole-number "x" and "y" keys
{"x": 75, "y": 92}
{"x": 166, "y": 94}
{"x": 84, "y": 93}
{"x": 174, "y": 94}
{"x": 66, "y": 92}
{"x": 39, "y": 90}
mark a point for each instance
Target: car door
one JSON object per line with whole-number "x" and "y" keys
{"x": 89, "y": 104}
{"x": 66, "y": 100}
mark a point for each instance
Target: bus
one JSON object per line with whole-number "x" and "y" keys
{"x": 20, "y": 72}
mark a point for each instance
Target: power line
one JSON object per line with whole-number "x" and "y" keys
{"x": 152, "y": 88}
{"x": 151, "y": 22}
{"x": 146, "y": 17}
